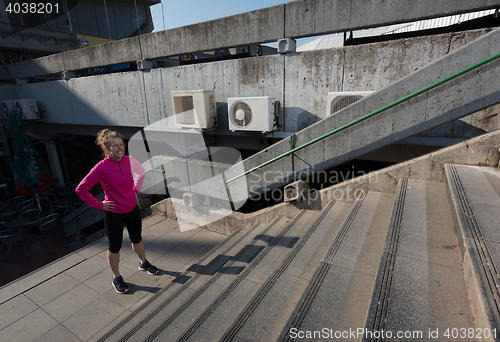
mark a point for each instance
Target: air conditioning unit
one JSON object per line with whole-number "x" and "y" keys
{"x": 258, "y": 114}
{"x": 27, "y": 109}
{"x": 6, "y": 107}
{"x": 195, "y": 109}
{"x": 339, "y": 100}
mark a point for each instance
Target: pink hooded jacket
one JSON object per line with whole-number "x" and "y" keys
{"x": 117, "y": 182}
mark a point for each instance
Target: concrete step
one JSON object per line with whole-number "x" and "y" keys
{"x": 420, "y": 290}
{"x": 178, "y": 309}
{"x": 474, "y": 194}
{"x": 208, "y": 265}
{"x": 268, "y": 304}
{"x": 338, "y": 294}
{"x": 257, "y": 272}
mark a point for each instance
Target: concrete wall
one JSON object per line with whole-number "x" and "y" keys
{"x": 295, "y": 20}
{"x": 311, "y": 75}
{"x": 481, "y": 151}
{"x": 300, "y": 81}
{"x": 465, "y": 95}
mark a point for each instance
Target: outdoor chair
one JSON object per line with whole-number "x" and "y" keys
{"x": 45, "y": 204}
{"x": 16, "y": 200}
{"x": 48, "y": 222}
{"x": 11, "y": 209}
{"x": 25, "y": 205}
{"x": 64, "y": 207}
{"x": 39, "y": 203}
{"x": 43, "y": 222}
{"x": 33, "y": 215}
{"x": 8, "y": 237}
{"x": 7, "y": 211}
{"x": 51, "y": 197}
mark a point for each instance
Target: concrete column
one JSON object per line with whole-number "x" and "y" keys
{"x": 3, "y": 140}
{"x": 62, "y": 157}
{"x": 55, "y": 165}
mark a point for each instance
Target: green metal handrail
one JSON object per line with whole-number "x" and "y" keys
{"x": 154, "y": 170}
{"x": 395, "y": 103}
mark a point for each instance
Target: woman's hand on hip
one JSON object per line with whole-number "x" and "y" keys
{"x": 108, "y": 205}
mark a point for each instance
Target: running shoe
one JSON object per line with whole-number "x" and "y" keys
{"x": 120, "y": 285}
{"x": 146, "y": 266}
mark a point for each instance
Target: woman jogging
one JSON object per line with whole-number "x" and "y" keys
{"x": 120, "y": 207}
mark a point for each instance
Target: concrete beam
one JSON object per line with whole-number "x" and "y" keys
{"x": 296, "y": 19}
{"x": 255, "y": 27}
{"x": 53, "y": 64}
{"x": 318, "y": 17}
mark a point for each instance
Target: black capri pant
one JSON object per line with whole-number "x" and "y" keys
{"x": 114, "y": 228}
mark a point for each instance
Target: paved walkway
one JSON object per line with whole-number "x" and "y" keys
{"x": 72, "y": 299}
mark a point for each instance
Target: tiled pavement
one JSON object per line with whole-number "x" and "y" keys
{"x": 32, "y": 253}
{"x": 72, "y": 299}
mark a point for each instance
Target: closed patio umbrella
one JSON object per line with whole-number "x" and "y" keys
{"x": 31, "y": 174}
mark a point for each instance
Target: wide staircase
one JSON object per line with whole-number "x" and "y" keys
{"x": 419, "y": 264}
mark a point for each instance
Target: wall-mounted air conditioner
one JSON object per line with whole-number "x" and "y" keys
{"x": 6, "y": 107}
{"x": 258, "y": 114}
{"x": 195, "y": 109}
{"x": 339, "y": 100}
{"x": 27, "y": 109}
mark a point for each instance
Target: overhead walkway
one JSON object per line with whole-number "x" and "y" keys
{"x": 294, "y": 19}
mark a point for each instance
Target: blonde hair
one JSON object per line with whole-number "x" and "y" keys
{"x": 104, "y": 140}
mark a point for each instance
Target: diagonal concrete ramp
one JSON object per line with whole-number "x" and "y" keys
{"x": 474, "y": 195}
{"x": 473, "y": 91}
